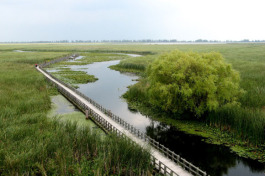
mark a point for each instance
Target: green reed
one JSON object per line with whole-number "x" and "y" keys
{"x": 32, "y": 144}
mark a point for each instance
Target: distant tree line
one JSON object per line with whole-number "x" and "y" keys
{"x": 142, "y": 41}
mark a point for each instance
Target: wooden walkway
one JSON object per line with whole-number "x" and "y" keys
{"x": 162, "y": 163}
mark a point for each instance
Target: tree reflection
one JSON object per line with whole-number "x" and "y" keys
{"x": 214, "y": 159}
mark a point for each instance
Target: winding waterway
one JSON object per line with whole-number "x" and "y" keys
{"x": 216, "y": 160}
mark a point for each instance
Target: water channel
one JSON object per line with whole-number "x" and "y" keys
{"x": 216, "y": 160}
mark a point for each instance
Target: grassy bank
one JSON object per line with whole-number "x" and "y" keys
{"x": 134, "y": 64}
{"x": 32, "y": 144}
{"x": 90, "y": 58}
{"x": 245, "y": 124}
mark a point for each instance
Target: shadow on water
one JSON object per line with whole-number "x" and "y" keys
{"x": 216, "y": 160}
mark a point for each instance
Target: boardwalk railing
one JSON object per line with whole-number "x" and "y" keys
{"x": 167, "y": 152}
{"x": 109, "y": 127}
{"x": 46, "y": 64}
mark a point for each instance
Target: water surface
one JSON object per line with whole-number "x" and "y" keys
{"x": 108, "y": 89}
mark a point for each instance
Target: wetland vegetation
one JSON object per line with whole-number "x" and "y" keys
{"x": 135, "y": 65}
{"x": 74, "y": 77}
{"x": 241, "y": 126}
{"x": 90, "y": 57}
{"x": 32, "y": 144}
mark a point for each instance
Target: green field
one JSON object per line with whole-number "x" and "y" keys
{"x": 33, "y": 144}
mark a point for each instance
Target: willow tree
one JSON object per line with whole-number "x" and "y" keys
{"x": 194, "y": 82}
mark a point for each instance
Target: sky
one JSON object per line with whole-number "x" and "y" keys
{"x": 45, "y": 20}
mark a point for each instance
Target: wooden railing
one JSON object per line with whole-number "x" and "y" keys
{"x": 167, "y": 152}
{"x": 46, "y": 64}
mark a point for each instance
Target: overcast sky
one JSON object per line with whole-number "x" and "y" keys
{"x": 32, "y": 20}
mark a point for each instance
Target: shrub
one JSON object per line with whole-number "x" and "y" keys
{"x": 192, "y": 82}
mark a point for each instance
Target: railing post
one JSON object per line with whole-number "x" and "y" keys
{"x": 109, "y": 113}
{"x": 87, "y": 116}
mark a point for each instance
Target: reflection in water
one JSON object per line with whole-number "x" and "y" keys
{"x": 214, "y": 159}
{"x": 108, "y": 90}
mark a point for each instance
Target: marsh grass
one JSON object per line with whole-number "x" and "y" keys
{"x": 80, "y": 77}
{"x": 74, "y": 77}
{"x": 134, "y": 64}
{"x": 32, "y": 144}
{"x": 129, "y": 67}
{"x": 90, "y": 58}
{"x": 246, "y": 124}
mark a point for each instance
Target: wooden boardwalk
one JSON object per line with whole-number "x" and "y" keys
{"x": 162, "y": 163}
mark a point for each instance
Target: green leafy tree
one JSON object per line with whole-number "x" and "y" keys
{"x": 195, "y": 82}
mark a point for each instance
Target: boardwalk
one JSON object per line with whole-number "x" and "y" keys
{"x": 169, "y": 166}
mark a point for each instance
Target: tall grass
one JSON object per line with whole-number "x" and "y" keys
{"x": 134, "y": 64}
{"x": 129, "y": 67}
{"x": 32, "y": 144}
{"x": 246, "y": 124}
{"x": 37, "y": 146}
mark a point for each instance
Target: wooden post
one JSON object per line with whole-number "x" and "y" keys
{"x": 90, "y": 112}
{"x": 109, "y": 113}
{"x": 87, "y": 115}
